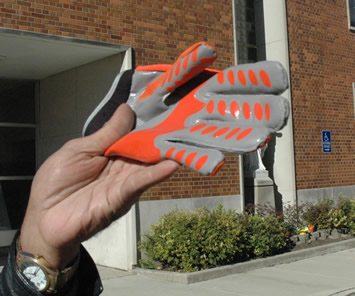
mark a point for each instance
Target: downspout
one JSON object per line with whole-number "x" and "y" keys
{"x": 241, "y": 169}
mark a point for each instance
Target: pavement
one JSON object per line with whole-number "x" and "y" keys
{"x": 328, "y": 275}
{"x": 332, "y": 274}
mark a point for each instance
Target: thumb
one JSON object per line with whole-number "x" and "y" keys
{"x": 120, "y": 124}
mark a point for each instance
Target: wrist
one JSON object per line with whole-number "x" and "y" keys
{"x": 58, "y": 258}
{"x": 41, "y": 274}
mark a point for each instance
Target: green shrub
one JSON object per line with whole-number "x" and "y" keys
{"x": 191, "y": 241}
{"x": 268, "y": 236}
{"x": 318, "y": 214}
{"x": 343, "y": 216}
{"x": 326, "y": 215}
{"x": 201, "y": 239}
{"x": 352, "y": 218}
{"x": 337, "y": 219}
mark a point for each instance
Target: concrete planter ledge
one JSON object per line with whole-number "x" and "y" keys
{"x": 208, "y": 274}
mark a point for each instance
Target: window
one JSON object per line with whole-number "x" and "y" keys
{"x": 351, "y": 14}
{"x": 249, "y": 31}
{"x": 17, "y": 149}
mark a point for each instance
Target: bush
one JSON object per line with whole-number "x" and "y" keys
{"x": 191, "y": 241}
{"x": 201, "y": 239}
{"x": 292, "y": 215}
{"x": 318, "y": 214}
{"x": 325, "y": 215}
{"x": 268, "y": 236}
{"x": 343, "y": 216}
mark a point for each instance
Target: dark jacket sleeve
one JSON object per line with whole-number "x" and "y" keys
{"x": 86, "y": 281}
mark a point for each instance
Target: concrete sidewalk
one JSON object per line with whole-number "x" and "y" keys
{"x": 328, "y": 275}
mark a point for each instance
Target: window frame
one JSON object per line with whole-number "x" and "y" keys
{"x": 351, "y": 28}
{"x": 6, "y": 235}
{"x": 237, "y": 44}
{"x": 24, "y": 125}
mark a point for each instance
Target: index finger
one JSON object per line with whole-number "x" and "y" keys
{"x": 267, "y": 77}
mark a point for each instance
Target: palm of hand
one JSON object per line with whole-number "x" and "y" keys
{"x": 78, "y": 192}
{"x": 84, "y": 195}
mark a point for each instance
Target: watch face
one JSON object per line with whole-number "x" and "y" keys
{"x": 35, "y": 274}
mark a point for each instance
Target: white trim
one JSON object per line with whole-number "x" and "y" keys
{"x": 116, "y": 246}
{"x": 276, "y": 40}
{"x": 131, "y": 219}
{"x": 126, "y": 65}
{"x": 240, "y": 157}
{"x": 235, "y": 34}
{"x": 103, "y": 102}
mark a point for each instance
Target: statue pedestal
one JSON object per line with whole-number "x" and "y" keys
{"x": 260, "y": 190}
{"x": 264, "y": 192}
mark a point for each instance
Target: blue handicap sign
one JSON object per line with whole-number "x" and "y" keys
{"x": 327, "y": 141}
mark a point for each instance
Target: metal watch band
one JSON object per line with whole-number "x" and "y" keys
{"x": 57, "y": 278}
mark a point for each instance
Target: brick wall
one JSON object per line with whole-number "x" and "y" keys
{"x": 158, "y": 31}
{"x": 322, "y": 60}
{"x": 187, "y": 183}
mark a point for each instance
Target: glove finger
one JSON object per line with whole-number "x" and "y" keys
{"x": 189, "y": 64}
{"x": 202, "y": 160}
{"x": 192, "y": 62}
{"x": 149, "y": 147}
{"x": 222, "y": 136}
{"x": 267, "y": 111}
{"x": 267, "y": 77}
{"x": 146, "y": 110}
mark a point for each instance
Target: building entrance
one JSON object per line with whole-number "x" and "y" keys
{"x": 17, "y": 152}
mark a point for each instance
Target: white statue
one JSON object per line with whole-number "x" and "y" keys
{"x": 253, "y": 164}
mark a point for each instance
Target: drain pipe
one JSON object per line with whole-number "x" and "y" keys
{"x": 241, "y": 170}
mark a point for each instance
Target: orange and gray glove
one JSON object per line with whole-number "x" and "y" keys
{"x": 235, "y": 110}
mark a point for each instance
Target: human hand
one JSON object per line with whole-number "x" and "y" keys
{"x": 78, "y": 192}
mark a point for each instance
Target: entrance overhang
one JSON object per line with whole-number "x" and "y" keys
{"x": 29, "y": 55}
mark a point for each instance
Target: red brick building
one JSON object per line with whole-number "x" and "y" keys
{"x": 58, "y": 59}
{"x": 322, "y": 65}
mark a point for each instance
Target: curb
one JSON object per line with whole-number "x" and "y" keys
{"x": 208, "y": 274}
{"x": 346, "y": 292}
